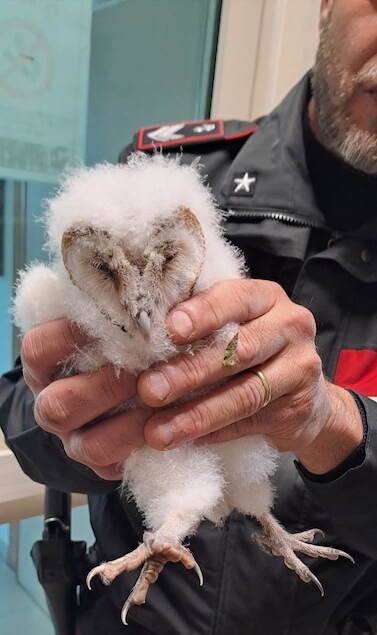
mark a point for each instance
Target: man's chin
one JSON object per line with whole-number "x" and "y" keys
{"x": 359, "y": 149}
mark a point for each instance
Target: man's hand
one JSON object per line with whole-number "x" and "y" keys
{"x": 72, "y": 408}
{"x": 307, "y": 415}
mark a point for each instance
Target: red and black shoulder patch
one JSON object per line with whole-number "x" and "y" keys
{"x": 191, "y": 133}
{"x": 357, "y": 370}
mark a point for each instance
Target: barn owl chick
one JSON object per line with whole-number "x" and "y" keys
{"x": 127, "y": 243}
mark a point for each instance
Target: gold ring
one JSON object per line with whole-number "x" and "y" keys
{"x": 266, "y": 386}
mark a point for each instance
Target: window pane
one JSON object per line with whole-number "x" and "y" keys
{"x": 76, "y": 81}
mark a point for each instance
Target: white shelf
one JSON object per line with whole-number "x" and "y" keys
{"x": 20, "y": 497}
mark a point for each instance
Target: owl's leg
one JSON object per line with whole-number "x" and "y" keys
{"x": 256, "y": 499}
{"x": 175, "y": 490}
{"x": 157, "y": 549}
{"x": 164, "y": 550}
{"x": 282, "y": 543}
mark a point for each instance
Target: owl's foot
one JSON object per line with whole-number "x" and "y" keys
{"x": 282, "y": 543}
{"x": 154, "y": 553}
{"x": 150, "y": 572}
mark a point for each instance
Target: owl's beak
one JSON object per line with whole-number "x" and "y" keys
{"x": 144, "y": 324}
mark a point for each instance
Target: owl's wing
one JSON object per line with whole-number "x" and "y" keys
{"x": 38, "y": 297}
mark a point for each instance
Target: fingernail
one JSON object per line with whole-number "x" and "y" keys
{"x": 166, "y": 433}
{"x": 182, "y": 323}
{"x": 159, "y": 385}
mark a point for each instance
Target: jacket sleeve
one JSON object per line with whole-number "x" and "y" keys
{"x": 350, "y": 498}
{"x": 41, "y": 455}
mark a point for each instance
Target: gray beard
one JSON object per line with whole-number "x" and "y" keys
{"x": 334, "y": 129}
{"x": 359, "y": 149}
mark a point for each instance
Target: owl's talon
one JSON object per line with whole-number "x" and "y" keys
{"x": 93, "y": 573}
{"x": 154, "y": 553}
{"x": 309, "y": 534}
{"x": 314, "y": 579}
{"x": 110, "y": 570}
{"x": 199, "y": 573}
{"x": 125, "y": 608}
{"x": 281, "y": 543}
{"x": 151, "y": 570}
{"x": 344, "y": 554}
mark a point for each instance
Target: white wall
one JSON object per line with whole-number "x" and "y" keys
{"x": 265, "y": 46}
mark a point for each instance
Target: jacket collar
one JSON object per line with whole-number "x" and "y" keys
{"x": 275, "y": 157}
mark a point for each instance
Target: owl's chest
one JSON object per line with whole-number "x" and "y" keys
{"x": 131, "y": 354}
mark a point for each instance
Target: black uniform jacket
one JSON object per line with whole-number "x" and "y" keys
{"x": 261, "y": 179}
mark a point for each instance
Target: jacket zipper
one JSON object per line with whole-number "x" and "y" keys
{"x": 279, "y": 216}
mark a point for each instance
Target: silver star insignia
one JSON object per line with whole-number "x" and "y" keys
{"x": 244, "y": 183}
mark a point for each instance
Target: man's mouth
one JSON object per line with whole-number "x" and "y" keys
{"x": 373, "y": 93}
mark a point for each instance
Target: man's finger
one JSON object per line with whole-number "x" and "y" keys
{"x": 44, "y": 346}
{"x": 67, "y": 404}
{"x": 109, "y": 441}
{"x": 257, "y": 342}
{"x": 228, "y": 301}
{"x": 239, "y": 398}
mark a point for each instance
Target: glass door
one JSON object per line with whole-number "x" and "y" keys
{"x": 77, "y": 79}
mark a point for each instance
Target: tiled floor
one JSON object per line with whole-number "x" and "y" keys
{"x": 18, "y": 612}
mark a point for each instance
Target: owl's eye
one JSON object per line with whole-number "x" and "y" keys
{"x": 102, "y": 266}
{"x": 99, "y": 264}
{"x": 170, "y": 255}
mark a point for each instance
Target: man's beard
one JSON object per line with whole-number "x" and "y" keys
{"x": 332, "y": 90}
